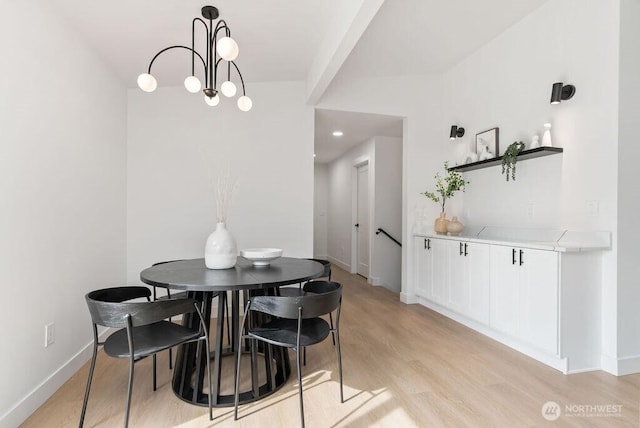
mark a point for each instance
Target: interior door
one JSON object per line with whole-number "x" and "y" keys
{"x": 363, "y": 220}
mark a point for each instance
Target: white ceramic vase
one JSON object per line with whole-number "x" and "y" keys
{"x": 221, "y": 251}
{"x": 546, "y": 137}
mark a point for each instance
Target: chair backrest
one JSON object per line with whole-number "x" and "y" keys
{"x": 319, "y": 286}
{"x": 109, "y": 307}
{"x": 312, "y": 304}
{"x": 326, "y": 265}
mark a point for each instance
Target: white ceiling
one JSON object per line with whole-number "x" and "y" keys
{"x": 280, "y": 39}
{"x": 412, "y": 37}
{"x": 356, "y": 127}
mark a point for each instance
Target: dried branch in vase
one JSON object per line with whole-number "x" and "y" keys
{"x": 224, "y": 193}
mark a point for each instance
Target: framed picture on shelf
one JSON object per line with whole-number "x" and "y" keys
{"x": 487, "y": 144}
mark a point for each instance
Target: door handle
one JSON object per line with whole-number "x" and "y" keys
{"x": 465, "y": 249}
{"x": 357, "y": 225}
{"x": 521, "y": 258}
{"x": 427, "y": 243}
{"x": 513, "y": 256}
{"x": 461, "y": 248}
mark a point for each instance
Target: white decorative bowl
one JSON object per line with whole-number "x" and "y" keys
{"x": 261, "y": 256}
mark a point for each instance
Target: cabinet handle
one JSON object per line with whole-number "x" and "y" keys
{"x": 521, "y": 258}
{"x": 461, "y": 248}
{"x": 513, "y": 256}
{"x": 428, "y": 244}
{"x": 465, "y": 249}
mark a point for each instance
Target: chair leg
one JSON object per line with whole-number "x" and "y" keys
{"x": 227, "y": 321}
{"x": 129, "y": 390}
{"x": 300, "y": 386}
{"x": 170, "y": 359}
{"x": 304, "y": 356}
{"x": 210, "y": 383}
{"x": 236, "y": 391}
{"x": 337, "y": 336}
{"x": 154, "y": 372}
{"x": 86, "y": 392}
{"x": 333, "y": 333}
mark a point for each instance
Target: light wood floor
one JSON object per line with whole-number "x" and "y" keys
{"x": 404, "y": 366}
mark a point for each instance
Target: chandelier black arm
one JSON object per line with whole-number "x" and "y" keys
{"x": 177, "y": 46}
{"x": 213, "y": 71}
{"x": 244, "y": 92}
{"x": 193, "y": 47}
{"x": 215, "y": 74}
{"x": 241, "y": 79}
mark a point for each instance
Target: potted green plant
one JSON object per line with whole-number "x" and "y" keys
{"x": 510, "y": 157}
{"x": 446, "y": 187}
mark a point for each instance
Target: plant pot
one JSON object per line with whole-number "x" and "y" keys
{"x": 221, "y": 251}
{"x": 440, "y": 225}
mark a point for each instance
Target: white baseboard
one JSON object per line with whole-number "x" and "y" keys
{"x": 339, "y": 263}
{"x": 41, "y": 393}
{"x": 409, "y": 299}
{"x": 620, "y": 366}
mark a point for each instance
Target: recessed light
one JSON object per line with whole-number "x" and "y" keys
{"x": 337, "y": 133}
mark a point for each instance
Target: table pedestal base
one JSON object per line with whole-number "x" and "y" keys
{"x": 190, "y": 368}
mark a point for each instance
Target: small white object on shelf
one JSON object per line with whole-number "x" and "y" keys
{"x": 546, "y": 137}
{"x": 261, "y": 256}
{"x": 485, "y": 153}
{"x": 535, "y": 142}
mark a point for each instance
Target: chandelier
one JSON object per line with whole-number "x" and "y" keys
{"x": 218, "y": 49}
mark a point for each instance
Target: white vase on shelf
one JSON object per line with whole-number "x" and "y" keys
{"x": 221, "y": 251}
{"x": 535, "y": 142}
{"x": 546, "y": 137}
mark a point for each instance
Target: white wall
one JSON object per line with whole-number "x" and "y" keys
{"x": 507, "y": 83}
{"x": 384, "y": 158}
{"x": 62, "y": 187}
{"x": 177, "y": 145}
{"x": 628, "y": 178}
{"x": 386, "y": 256}
{"x": 340, "y": 196}
{"x": 417, "y": 99}
{"x": 320, "y": 209}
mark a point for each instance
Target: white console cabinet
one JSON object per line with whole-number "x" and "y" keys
{"x": 454, "y": 274}
{"x": 534, "y": 296}
{"x": 524, "y": 295}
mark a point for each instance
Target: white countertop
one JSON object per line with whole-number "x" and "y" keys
{"x": 541, "y": 239}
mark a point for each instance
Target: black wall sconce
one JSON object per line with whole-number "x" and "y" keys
{"x": 456, "y": 132}
{"x": 560, "y": 92}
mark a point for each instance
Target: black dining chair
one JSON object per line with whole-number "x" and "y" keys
{"x": 179, "y": 295}
{"x": 295, "y": 323}
{"x": 143, "y": 330}
{"x": 294, "y": 291}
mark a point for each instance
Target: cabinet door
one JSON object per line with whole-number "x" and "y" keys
{"x": 457, "y": 292}
{"x": 424, "y": 267}
{"x": 478, "y": 280}
{"x": 440, "y": 276}
{"x": 539, "y": 298}
{"x": 505, "y": 290}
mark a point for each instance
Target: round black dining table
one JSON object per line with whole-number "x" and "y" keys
{"x": 205, "y": 284}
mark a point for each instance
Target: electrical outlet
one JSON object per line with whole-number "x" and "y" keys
{"x": 592, "y": 208}
{"x": 531, "y": 210}
{"x": 49, "y": 334}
